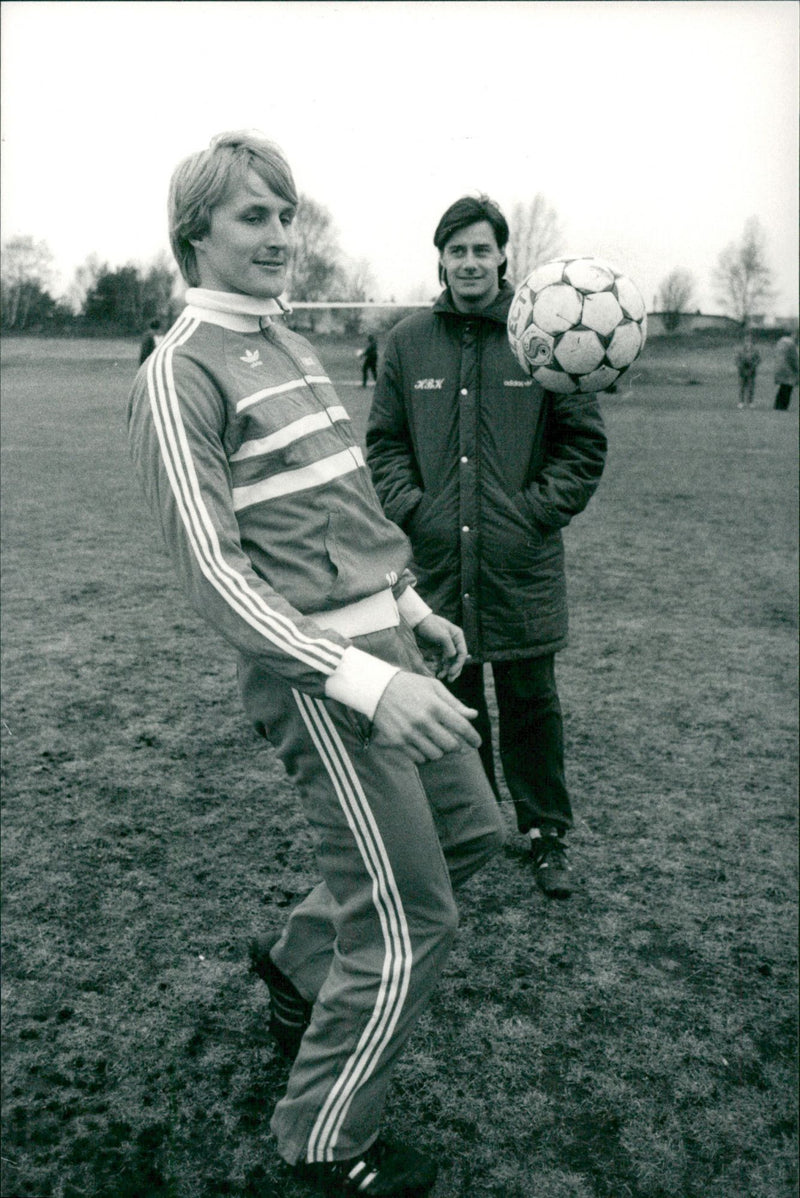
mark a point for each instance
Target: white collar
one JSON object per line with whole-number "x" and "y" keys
{"x": 241, "y": 313}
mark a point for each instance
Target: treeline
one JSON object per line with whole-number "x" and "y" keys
{"x": 102, "y": 300}
{"x": 122, "y": 300}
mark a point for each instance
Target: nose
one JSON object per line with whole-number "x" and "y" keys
{"x": 277, "y": 233}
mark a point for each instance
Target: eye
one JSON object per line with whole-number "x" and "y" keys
{"x": 287, "y": 219}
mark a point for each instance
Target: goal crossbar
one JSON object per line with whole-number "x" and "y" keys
{"x": 298, "y": 304}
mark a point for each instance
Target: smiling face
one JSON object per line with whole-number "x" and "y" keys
{"x": 246, "y": 248}
{"x": 470, "y": 260}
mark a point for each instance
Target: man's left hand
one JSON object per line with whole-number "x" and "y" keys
{"x": 448, "y": 642}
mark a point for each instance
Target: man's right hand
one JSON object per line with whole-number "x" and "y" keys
{"x": 418, "y": 714}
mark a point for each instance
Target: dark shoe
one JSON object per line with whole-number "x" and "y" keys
{"x": 290, "y": 1013}
{"x": 383, "y": 1171}
{"x": 551, "y": 866}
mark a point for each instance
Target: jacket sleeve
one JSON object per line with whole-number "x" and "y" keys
{"x": 574, "y": 456}
{"x": 390, "y": 450}
{"x": 175, "y": 425}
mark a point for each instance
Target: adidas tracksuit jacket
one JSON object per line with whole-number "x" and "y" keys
{"x": 267, "y": 509}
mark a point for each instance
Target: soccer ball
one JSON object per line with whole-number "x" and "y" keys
{"x": 576, "y": 325}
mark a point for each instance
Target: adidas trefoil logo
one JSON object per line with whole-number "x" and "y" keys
{"x": 251, "y": 357}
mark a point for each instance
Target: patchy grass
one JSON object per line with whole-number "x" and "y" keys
{"x": 638, "y": 1041}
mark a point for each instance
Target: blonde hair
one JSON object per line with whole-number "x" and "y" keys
{"x": 199, "y": 181}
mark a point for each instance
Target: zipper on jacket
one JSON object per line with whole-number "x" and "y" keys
{"x": 362, "y": 727}
{"x": 275, "y": 343}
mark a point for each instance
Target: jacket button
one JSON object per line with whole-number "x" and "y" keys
{"x": 464, "y": 391}
{"x": 465, "y": 528}
{"x": 465, "y": 459}
{"x": 466, "y": 594}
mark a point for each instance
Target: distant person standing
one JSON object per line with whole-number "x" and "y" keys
{"x": 747, "y": 362}
{"x": 369, "y": 360}
{"x": 786, "y": 370}
{"x": 150, "y": 339}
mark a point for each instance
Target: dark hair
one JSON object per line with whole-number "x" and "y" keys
{"x": 468, "y": 211}
{"x": 199, "y": 183}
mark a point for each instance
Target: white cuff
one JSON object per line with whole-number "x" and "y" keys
{"x": 412, "y": 607}
{"x": 360, "y": 680}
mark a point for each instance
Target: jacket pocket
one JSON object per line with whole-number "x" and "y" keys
{"x": 534, "y": 528}
{"x": 433, "y": 528}
{"x": 344, "y": 566}
{"x": 508, "y": 534}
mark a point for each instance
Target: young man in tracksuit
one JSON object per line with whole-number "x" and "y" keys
{"x": 483, "y": 469}
{"x": 268, "y": 512}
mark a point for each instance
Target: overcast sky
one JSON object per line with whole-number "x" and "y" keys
{"x": 654, "y": 129}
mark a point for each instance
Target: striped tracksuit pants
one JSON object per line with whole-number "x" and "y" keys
{"x": 370, "y": 941}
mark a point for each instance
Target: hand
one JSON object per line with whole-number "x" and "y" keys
{"x": 418, "y": 714}
{"x": 448, "y": 641}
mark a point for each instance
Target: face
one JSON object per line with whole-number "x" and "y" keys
{"x": 470, "y": 260}
{"x": 246, "y": 249}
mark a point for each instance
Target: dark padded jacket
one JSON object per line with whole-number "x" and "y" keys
{"x": 482, "y": 469}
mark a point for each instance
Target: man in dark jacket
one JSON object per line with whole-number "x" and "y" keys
{"x": 482, "y": 469}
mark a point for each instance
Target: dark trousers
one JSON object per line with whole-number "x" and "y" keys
{"x": 747, "y": 388}
{"x": 530, "y": 735}
{"x": 369, "y": 366}
{"x": 783, "y": 397}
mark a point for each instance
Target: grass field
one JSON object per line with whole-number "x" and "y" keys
{"x": 638, "y": 1041}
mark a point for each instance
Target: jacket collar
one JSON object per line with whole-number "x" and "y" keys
{"x": 497, "y": 310}
{"x": 240, "y": 313}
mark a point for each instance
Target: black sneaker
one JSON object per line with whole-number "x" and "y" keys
{"x": 383, "y": 1171}
{"x": 290, "y": 1013}
{"x": 551, "y": 866}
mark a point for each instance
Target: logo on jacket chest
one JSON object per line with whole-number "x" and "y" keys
{"x": 429, "y": 384}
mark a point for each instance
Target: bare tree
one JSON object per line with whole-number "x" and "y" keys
{"x": 535, "y": 237}
{"x": 316, "y": 258}
{"x": 84, "y": 281}
{"x": 357, "y": 283}
{"x": 742, "y": 278}
{"x": 675, "y": 296}
{"x": 161, "y": 285}
{"x": 422, "y": 293}
{"x": 25, "y": 275}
